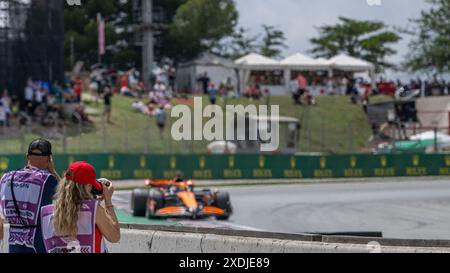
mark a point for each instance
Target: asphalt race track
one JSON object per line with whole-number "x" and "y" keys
{"x": 407, "y": 210}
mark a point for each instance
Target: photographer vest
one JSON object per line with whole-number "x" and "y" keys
{"x": 21, "y": 196}
{"x": 89, "y": 238}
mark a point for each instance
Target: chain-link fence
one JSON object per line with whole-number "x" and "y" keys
{"x": 146, "y": 138}
{"x": 320, "y": 131}
{"x": 100, "y": 137}
{"x": 128, "y": 136}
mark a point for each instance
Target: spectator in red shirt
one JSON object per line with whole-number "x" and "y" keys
{"x": 78, "y": 89}
{"x": 124, "y": 82}
{"x": 302, "y": 86}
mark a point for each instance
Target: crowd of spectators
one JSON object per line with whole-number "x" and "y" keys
{"x": 131, "y": 85}
{"x": 47, "y": 104}
{"x": 157, "y": 98}
{"x": 8, "y": 108}
{"x": 43, "y": 103}
{"x": 157, "y": 103}
{"x": 50, "y": 104}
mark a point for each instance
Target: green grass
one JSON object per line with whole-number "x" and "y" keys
{"x": 127, "y": 218}
{"x": 334, "y": 125}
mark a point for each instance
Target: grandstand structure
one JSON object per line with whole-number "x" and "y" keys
{"x": 31, "y": 42}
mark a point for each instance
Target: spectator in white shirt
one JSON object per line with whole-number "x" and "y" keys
{"x": 29, "y": 93}
{"x": 29, "y": 97}
{"x": 6, "y": 101}
{"x": 39, "y": 96}
{"x": 2, "y": 115}
{"x": 159, "y": 87}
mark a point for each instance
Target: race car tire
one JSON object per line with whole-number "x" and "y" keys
{"x": 223, "y": 202}
{"x": 139, "y": 199}
{"x": 158, "y": 199}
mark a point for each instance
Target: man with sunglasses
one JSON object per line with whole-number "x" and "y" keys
{"x": 23, "y": 193}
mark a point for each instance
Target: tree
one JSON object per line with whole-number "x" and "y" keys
{"x": 430, "y": 48}
{"x": 273, "y": 42}
{"x": 200, "y": 26}
{"x": 81, "y": 25}
{"x": 367, "y": 40}
{"x": 239, "y": 44}
{"x": 165, "y": 47}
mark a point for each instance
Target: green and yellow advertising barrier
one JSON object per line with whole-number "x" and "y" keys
{"x": 205, "y": 167}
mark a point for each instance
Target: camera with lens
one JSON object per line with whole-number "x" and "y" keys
{"x": 102, "y": 181}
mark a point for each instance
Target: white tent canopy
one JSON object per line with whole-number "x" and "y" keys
{"x": 302, "y": 62}
{"x": 299, "y": 62}
{"x": 257, "y": 62}
{"x": 324, "y": 62}
{"x": 348, "y": 63}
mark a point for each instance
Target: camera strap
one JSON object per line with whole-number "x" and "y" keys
{"x": 16, "y": 207}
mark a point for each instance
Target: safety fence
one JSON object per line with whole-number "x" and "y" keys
{"x": 210, "y": 167}
{"x": 140, "y": 134}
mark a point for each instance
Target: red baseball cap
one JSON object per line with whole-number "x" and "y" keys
{"x": 83, "y": 173}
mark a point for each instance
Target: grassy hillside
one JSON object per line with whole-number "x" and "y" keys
{"x": 334, "y": 125}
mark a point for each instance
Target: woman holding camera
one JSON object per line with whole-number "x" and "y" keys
{"x": 77, "y": 222}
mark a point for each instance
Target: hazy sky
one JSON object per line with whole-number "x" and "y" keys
{"x": 299, "y": 18}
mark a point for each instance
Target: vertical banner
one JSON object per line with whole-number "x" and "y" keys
{"x": 101, "y": 35}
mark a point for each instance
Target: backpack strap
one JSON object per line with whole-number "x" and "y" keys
{"x": 16, "y": 207}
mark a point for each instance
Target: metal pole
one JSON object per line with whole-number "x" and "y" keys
{"x": 225, "y": 103}
{"x": 435, "y": 140}
{"x": 22, "y": 139}
{"x": 65, "y": 138}
{"x": 126, "y": 135}
{"x": 192, "y": 142}
{"x": 4, "y": 137}
{"x": 105, "y": 148}
{"x": 99, "y": 19}
{"x": 299, "y": 135}
{"x": 449, "y": 123}
{"x": 147, "y": 45}
{"x": 171, "y": 144}
{"x": 147, "y": 138}
{"x": 80, "y": 135}
{"x": 323, "y": 134}
{"x": 186, "y": 147}
{"x": 350, "y": 139}
{"x": 72, "y": 51}
{"x": 309, "y": 139}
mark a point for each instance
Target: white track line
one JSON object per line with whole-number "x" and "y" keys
{"x": 236, "y": 226}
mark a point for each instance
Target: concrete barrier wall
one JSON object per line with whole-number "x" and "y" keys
{"x": 148, "y": 241}
{"x": 161, "y": 241}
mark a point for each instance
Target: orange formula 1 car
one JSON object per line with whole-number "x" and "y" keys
{"x": 178, "y": 199}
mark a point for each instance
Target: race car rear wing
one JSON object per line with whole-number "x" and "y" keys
{"x": 164, "y": 183}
